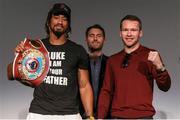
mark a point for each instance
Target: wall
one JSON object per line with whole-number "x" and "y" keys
{"x": 20, "y": 19}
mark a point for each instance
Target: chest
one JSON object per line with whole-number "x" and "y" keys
{"x": 137, "y": 67}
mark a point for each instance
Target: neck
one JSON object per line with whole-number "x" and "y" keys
{"x": 132, "y": 48}
{"x": 95, "y": 54}
{"x": 57, "y": 41}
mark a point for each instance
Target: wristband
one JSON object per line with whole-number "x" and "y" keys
{"x": 162, "y": 69}
{"x": 90, "y": 117}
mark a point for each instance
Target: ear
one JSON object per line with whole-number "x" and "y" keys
{"x": 141, "y": 33}
{"x": 104, "y": 39}
{"x": 86, "y": 39}
{"x": 120, "y": 33}
{"x": 47, "y": 24}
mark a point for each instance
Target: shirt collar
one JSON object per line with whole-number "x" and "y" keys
{"x": 140, "y": 49}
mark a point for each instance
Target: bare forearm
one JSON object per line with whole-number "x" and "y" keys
{"x": 86, "y": 92}
{"x": 87, "y": 99}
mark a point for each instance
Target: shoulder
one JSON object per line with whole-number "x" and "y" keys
{"x": 147, "y": 49}
{"x": 116, "y": 55}
{"x": 74, "y": 44}
{"x": 44, "y": 41}
{"x": 115, "y": 58}
{"x": 105, "y": 57}
{"x": 77, "y": 49}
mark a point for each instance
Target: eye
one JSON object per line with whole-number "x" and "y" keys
{"x": 55, "y": 16}
{"x": 91, "y": 35}
{"x": 124, "y": 30}
{"x": 99, "y": 35}
{"x": 64, "y": 19}
{"x": 134, "y": 30}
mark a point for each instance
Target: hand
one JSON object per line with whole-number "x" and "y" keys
{"x": 155, "y": 59}
{"x": 20, "y": 47}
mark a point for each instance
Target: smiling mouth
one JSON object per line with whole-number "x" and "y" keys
{"x": 129, "y": 39}
{"x": 95, "y": 43}
{"x": 59, "y": 27}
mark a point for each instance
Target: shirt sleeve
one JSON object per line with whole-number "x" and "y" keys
{"x": 83, "y": 58}
{"x": 106, "y": 92}
{"x": 163, "y": 79}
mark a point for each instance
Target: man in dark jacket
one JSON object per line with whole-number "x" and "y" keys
{"x": 95, "y": 37}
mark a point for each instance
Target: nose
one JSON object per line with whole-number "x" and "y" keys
{"x": 95, "y": 38}
{"x": 60, "y": 21}
{"x": 129, "y": 33}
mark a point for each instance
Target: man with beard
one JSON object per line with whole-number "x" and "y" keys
{"x": 57, "y": 97}
{"x": 95, "y": 37}
{"x": 130, "y": 75}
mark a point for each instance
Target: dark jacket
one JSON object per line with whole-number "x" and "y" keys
{"x": 101, "y": 78}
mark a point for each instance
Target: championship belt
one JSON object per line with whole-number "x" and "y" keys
{"x": 32, "y": 65}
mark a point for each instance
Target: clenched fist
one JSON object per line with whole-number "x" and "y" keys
{"x": 155, "y": 59}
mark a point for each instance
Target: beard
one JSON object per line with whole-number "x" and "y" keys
{"x": 95, "y": 49}
{"x": 58, "y": 33}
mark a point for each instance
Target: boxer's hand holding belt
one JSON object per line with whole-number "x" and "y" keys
{"x": 31, "y": 63}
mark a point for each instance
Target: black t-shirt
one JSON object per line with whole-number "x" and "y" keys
{"x": 58, "y": 94}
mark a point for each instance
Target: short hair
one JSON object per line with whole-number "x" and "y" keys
{"x": 133, "y": 18}
{"x": 97, "y": 26}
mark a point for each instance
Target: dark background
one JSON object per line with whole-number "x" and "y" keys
{"x": 26, "y": 18}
